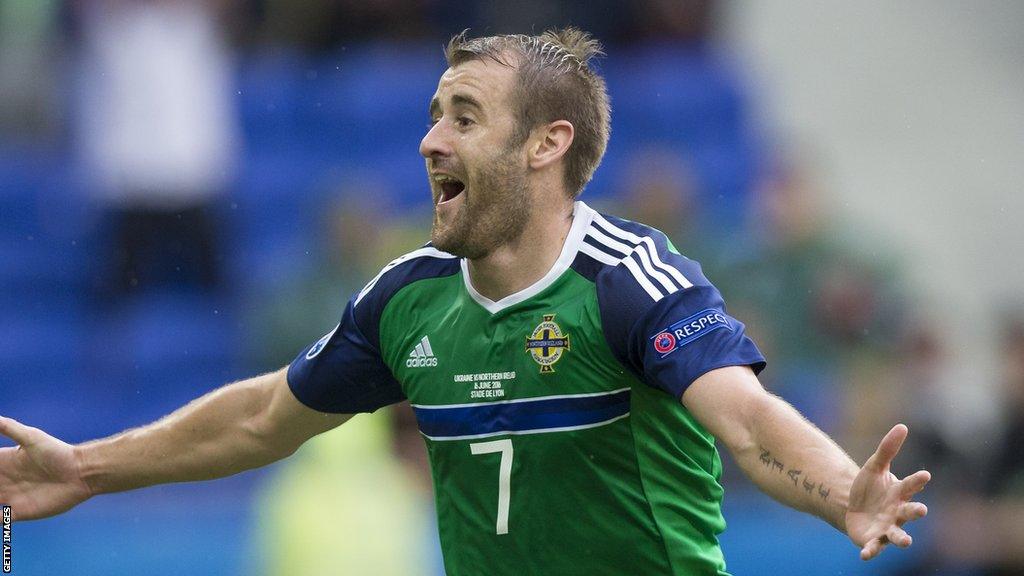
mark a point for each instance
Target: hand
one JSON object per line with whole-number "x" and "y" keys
{"x": 40, "y": 477}
{"x": 880, "y": 502}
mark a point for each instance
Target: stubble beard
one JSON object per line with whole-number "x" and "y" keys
{"x": 494, "y": 212}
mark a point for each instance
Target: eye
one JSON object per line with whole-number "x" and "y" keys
{"x": 464, "y": 122}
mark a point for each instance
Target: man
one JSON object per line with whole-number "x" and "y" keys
{"x": 570, "y": 371}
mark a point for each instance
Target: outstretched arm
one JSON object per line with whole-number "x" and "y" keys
{"x": 799, "y": 465}
{"x": 240, "y": 426}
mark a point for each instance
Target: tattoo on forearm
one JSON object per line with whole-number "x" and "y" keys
{"x": 795, "y": 475}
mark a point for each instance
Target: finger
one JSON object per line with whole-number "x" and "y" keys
{"x": 871, "y": 549}
{"x": 887, "y": 449}
{"x": 898, "y": 536}
{"x": 914, "y": 483}
{"x": 911, "y": 511}
{"x": 16, "y": 431}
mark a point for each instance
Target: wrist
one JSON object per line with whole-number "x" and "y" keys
{"x": 839, "y": 522}
{"x": 841, "y": 507}
{"x": 839, "y": 502}
{"x": 84, "y": 470}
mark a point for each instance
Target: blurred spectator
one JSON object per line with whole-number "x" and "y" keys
{"x": 352, "y": 497}
{"x": 673, "y": 20}
{"x": 980, "y": 529}
{"x": 349, "y": 503}
{"x": 923, "y": 367}
{"x": 158, "y": 136}
{"x": 659, "y": 188}
{"x": 599, "y": 17}
{"x": 356, "y": 238}
{"x": 988, "y": 531}
{"x": 1007, "y": 476}
{"x": 28, "y": 66}
{"x": 825, "y": 314}
{"x": 324, "y": 25}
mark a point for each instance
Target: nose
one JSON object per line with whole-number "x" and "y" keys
{"x": 435, "y": 143}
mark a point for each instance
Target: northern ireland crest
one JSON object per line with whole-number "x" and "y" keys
{"x": 547, "y": 344}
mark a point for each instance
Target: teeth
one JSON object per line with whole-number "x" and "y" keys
{"x": 444, "y": 179}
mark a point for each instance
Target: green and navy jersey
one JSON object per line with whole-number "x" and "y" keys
{"x": 557, "y": 440}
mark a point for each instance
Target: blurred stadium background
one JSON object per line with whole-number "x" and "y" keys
{"x": 189, "y": 190}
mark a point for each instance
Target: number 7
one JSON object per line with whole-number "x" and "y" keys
{"x": 504, "y": 476}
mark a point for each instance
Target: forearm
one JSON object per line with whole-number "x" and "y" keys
{"x": 216, "y": 435}
{"x": 796, "y": 463}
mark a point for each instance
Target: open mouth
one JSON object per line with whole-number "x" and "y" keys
{"x": 450, "y": 187}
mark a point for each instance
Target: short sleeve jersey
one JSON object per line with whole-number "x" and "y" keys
{"x": 557, "y": 440}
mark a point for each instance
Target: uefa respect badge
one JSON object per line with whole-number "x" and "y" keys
{"x": 687, "y": 330}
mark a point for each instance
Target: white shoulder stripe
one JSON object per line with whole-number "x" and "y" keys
{"x": 642, "y": 279}
{"x": 646, "y": 240}
{"x": 599, "y": 255}
{"x": 630, "y": 264}
{"x": 641, "y": 251}
{"x": 427, "y": 251}
{"x": 595, "y": 233}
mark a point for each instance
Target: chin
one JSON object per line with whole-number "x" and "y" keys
{"x": 444, "y": 242}
{"x": 456, "y": 246}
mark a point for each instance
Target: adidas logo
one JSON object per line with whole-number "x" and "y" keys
{"x": 422, "y": 355}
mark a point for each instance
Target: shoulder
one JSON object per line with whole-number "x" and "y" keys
{"x": 421, "y": 264}
{"x": 653, "y": 301}
{"x": 639, "y": 277}
{"x": 635, "y": 261}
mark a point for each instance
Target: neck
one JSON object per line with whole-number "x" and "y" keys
{"x": 517, "y": 265}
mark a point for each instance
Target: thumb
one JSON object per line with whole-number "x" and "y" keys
{"x": 887, "y": 449}
{"x": 16, "y": 431}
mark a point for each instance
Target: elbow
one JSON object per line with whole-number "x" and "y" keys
{"x": 266, "y": 443}
{"x": 264, "y": 439}
{"x": 262, "y": 431}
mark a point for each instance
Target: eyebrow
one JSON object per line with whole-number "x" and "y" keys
{"x": 463, "y": 100}
{"x": 457, "y": 100}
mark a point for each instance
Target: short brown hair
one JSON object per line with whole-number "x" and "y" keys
{"x": 555, "y": 82}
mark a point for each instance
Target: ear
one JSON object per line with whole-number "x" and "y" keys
{"x": 549, "y": 143}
